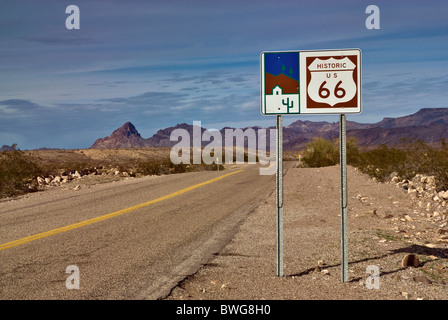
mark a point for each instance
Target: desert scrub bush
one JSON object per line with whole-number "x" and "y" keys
{"x": 149, "y": 168}
{"x": 159, "y": 167}
{"x": 17, "y": 169}
{"x": 167, "y": 167}
{"x": 426, "y": 160}
{"x": 381, "y": 162}
{"x": 354, "y": 157}
{"x": 406, "y": 161}
{"x": 321, "y": 153}
{"x": 440, "y": 168}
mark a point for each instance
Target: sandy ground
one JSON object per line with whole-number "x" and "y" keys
{"x": 379, "y": 238}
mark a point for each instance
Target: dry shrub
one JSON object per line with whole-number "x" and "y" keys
{"x": 17, "y": 169}
{"x": 321, "y": 153}
{"x": 404, "y": 160}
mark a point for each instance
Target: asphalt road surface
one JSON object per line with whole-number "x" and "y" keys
{"x": 134, "y": 239}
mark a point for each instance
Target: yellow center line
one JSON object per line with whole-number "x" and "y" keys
{"x": 108, "y": 216}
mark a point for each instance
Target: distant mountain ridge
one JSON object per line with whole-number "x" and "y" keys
{"x": 423, "y": 117}
{"x": 124, "y": 137}
{"x": 6, "y": 148}
{"x": 428, "y": 124}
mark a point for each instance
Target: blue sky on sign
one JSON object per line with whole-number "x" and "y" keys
{"x": 159, "y": 63}
{"x": 282, "y": 62}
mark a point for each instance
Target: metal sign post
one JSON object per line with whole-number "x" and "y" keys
{"x": 279, "y": 184}
{"x": 343, "y": 163}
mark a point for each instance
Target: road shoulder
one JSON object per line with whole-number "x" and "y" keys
{"x": 246, "y": 267}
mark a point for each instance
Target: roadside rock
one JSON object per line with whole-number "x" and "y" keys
{"x": 65, "y": 176}
{"x": 444, "y": 195}
{"x": 56, "y": 180}
{"x": 370, "y": 212}
{"x": 410, "y": 260}
{"x": 429, "y": 206}
{"x": 422, "y": 279}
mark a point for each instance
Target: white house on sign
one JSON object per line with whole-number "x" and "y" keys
{"x": 277, "y": 91}
{"x": 277, "y": 102}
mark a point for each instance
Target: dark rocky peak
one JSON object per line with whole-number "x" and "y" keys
{"x": 127, "y": 130}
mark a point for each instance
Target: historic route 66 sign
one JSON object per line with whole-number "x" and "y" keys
{"x": 331, "y": 81}
{"x": 311, "y": 82}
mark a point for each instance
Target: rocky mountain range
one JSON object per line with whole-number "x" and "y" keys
{"x": 429, "y": 125}
{"x": 124, "y": 137}
{"x": 6, "y": 148}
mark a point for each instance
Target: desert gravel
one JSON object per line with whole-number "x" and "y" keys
{"x": 379, "y": 239}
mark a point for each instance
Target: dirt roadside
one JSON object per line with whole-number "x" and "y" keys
{"x": 384, "y": 226}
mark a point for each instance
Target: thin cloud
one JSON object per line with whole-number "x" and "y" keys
{"x": 62, "y": 39}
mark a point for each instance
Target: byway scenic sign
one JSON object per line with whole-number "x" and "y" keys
{"x": 311, "y": 82}
{"x": 280, "y": 82}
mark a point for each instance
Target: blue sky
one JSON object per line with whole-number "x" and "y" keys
{"x": 159, "y": 63}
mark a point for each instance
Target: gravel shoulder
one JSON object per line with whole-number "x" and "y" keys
{"x": 385, "y": 224}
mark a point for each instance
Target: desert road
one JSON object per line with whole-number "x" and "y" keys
{"x": 133, "y": 239}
